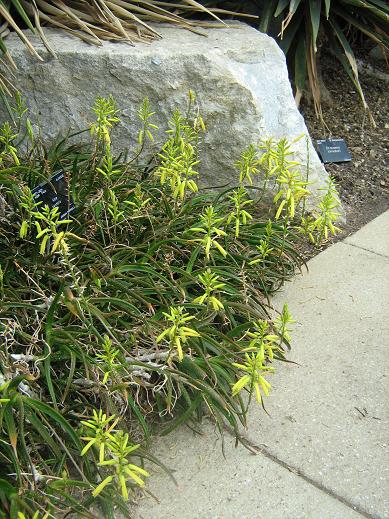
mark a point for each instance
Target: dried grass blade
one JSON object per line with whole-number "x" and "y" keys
{"x": 57, "y": 23}
{"x": 78, "y": 20}
{"x": 313, "y": 79}
{"x": 6, "y": 54}
{"x": 4, "y": 88}
{"x": 200, "y": 7}
{"x": 154, "y": 12}
{"x": 214, "y": 9}
{"x": 34, "y": 11}
{"x": 114, "y": 20}
{"x": 6, "y": 15}
{"x": 128, "y": 14}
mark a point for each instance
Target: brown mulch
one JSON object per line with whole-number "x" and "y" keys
{"x": 364, "y": 182}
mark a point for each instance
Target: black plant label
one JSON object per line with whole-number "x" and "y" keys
{"x": 55, "y": 193}
{"x": 333, "y": 150}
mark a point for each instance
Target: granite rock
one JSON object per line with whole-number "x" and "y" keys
{"x": 238, "y": 74}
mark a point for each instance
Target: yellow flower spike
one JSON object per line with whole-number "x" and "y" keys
{"x": 101, "y": 453}
{"x": 210, "y": 282}
{"x": 102, "y": 485}
{"x": 178, "y": 332}
{"x": 265, "y": 385}
{"x": 88, "y": 445}
{"x": 14, "y": 156}
{"x": 179, "y": 349}
{"x": 240, "y": 384}
{"x": 239, "y": 366}
{"x": 23, "y": 229}
{"x": 207, "y": 247}
{"x": 42, "y": 248}
{"x": 291, "y": 210}
{"x": 41, "y": 232}
{"x": 57, "y": 241}
{"x": 135, "y": 468}
{"x": 279, "y": 210}
{"x": 253, "y": 379}
{"x": 162, "y": 335}
{"x": 189, "y": 332}
{"x": 222, "y": 251}
{"x": 217, "y": 305}
{"x": 200, "y": 300}
{"x": 136, "y": 478}
{"x": 202, "y": 124}
{"x": 123, "y": 486}
{"x": 258, "y": 394}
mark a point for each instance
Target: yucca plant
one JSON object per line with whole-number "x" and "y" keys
{"x": 142, "y": 309}
{"x": 302, "y": 26}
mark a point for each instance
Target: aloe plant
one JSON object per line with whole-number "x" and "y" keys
{"x": 141, "y": 310}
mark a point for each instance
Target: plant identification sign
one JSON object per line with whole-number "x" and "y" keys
{"x": 333, "y": 150}
{"x": 55, "y": 193}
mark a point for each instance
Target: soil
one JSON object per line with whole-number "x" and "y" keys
{"x": 363, "y": 182}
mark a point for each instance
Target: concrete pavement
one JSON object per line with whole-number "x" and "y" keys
{"x": 325, "y": 447}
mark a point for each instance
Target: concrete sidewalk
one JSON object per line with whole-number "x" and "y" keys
{"x": 325, "y": 447}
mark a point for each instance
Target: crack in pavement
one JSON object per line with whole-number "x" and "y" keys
{"x": 250, "y": 445}
{"x": 317, "y": 484}
{"x": 365, "y": 249}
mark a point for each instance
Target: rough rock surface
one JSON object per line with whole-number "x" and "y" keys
{"x": 239, "y": 76}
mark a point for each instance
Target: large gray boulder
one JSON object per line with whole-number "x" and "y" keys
{"x": 238, "y": 74}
